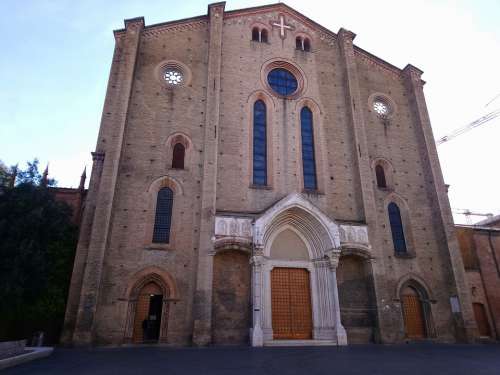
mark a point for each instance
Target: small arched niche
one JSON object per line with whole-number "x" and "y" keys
{"x": 288, "y": 245}
{"x": 383, "y": 174}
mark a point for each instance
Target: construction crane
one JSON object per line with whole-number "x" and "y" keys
{"x": 480, "y": 121}
{"x": 468, "y": 213}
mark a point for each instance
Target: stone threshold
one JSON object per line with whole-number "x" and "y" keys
{"x": 31, "y": 353}
{"x": 300, "y": 343}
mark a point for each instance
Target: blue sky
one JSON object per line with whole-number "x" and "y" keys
{"x": 56, "y": 57}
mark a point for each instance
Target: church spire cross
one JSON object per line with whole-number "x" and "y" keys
{"x": 282, "y": 25}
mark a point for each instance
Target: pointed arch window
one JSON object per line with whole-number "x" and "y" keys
{"x": 178, "y": 155}
{"x": 259, "y": 144}
{"x": 263, "y": 36}
{"x": 255, "y": 34}
{"x": 380, "y": 174}
{"x": 163, "y": 216}
{"x": 308, "y": 160}
{"x": 398, "y": 235}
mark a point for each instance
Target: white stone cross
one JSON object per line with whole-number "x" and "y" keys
{"x": 282, "y": 26}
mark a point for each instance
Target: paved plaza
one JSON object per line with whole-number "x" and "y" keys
{"x": 415, "y": 359}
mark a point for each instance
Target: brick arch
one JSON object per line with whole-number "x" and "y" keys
{"x": 388, "y": 171}
{"x": 185, "y": 140}
{"x": 423, "y": 292}
{"x": 230, "y": 244}
{"x": 138, "y": 281}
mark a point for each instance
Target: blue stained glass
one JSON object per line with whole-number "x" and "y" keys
{"x": 398, "y": 235}
{"x": 282, "y": 81}
{"x": 308, "y": 161}
{"x": 259, "y": 144}
{"x": 163, "y": 217}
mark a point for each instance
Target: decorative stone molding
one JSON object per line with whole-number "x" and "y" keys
{"x": 354, "y": 236}
{"x": 233, "y": 226}
{"x": 333, "y": 258}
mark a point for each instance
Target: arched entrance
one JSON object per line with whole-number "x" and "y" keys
{"x": 149, "y": 293}
{"x": 413, "y": 313}
{"x": 357, "y": 298}
{"x": 148, "y": 314}
{"x": 231, "y": 298}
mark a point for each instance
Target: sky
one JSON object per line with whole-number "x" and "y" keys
{"x": 56, "y": 57}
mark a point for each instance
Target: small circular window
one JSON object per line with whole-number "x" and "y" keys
{"x": 381, "y": 107}
{"x": 173, "y": 76}
{"x": 282, "y": 81}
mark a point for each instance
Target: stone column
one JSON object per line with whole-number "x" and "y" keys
{"x": 257, "y": 283}
{"x": 333, "y": 257}
{"x": 414, "y": 87}
{"x": 355, "y": 107}
{"x": 202, "y": 309}
{"x": 110, "y": 142}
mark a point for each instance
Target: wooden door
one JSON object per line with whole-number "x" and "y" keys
{"x": 142, "y": 311}
{"x": 413, "y": 314}
{"x": 291, "y": 304}
{"x": 481, "y": 319}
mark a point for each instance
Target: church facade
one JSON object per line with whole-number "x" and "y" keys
{"x": 260, "y": 179}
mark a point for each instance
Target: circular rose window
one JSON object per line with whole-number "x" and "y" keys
{"x": 381, "y": 107}
{"x": 282, "y": 81}
{"x": 173, "y": 77}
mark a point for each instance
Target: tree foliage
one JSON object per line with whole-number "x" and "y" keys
{"x": 37, "y": 247}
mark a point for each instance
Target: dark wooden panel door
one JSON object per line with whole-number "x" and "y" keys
{"x": 481, "y": 319}
{"x": 291, "y": 304}
{"x": 413, "y": 316}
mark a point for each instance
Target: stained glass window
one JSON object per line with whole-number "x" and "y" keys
{"x": 163, "y": 217}
{"x": 259, "y": 144}
{"x": 308, "y": 162}
{"x": 398, "y": 235}
{"x": 282, "y": 81}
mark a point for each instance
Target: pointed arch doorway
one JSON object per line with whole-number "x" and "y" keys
{"x": 148, "y": 314}
{"x": 413, "y": 313}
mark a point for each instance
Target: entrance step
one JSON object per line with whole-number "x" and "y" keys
{"x": 300, "y": 343}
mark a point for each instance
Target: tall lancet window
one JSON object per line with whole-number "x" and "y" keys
{"x": 259, "y": 144}
{"x": 398, "y": 235}
{"x": 308, "y": 161}
{"x": 163, "y": 217}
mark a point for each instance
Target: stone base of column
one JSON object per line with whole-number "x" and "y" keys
{"x": 202, "y": 333}
{"x": 341, "y": 335}
{"x": 257, "y": 336}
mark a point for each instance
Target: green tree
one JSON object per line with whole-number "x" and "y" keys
{"x": 37, "y": 247}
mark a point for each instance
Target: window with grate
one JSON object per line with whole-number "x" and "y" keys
{"x": 307, "y": 45}
{"x": 398, "y": 235}
{"x": 263, "y": 36}
{"x": 259, "y": 144}
{"x": 255, "y": 34}
{"x": 178, "y": 156}
{"x": 308, "y": 162}
{"x": 380, "y": 174}
{"x": 163, "y": 216}
{"x": 282, "y": 81}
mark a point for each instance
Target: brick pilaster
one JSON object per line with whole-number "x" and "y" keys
{"x": 109, "y": 142}
{"x": 202, "y": 330}
{"x": 354, "y": 108}
{"x": 414, "y": 86}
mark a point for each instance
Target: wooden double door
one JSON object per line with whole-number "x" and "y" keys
{"x": 291, "y": 304}
{"x": 413, "y": 314}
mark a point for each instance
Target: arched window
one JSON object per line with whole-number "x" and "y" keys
{"x": 163, "y": 216}
{"x": 398, "y": 235}
{"x": 380, "y": 174}
{"x": 178, "y": 156}
{"x": 255, "y": 34}
{"x": 259, "y": 144}
{"x": 307, "y": 45}
{"x": 298, "y": 43}
{"x": 263, "y": 36}
{"x": 308, "y": 162}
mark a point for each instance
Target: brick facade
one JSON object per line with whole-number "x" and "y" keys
{"x": 225, "y": 73}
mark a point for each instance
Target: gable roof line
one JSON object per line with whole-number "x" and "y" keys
{"x": 261, "y": 8}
